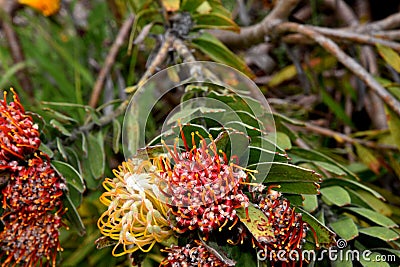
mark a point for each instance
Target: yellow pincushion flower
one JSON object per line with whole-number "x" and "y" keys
{"x": 135, "y": 217}
{"x": 47, "y": 7}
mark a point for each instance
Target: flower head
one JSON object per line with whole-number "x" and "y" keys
{"x": 31, "y": 190}
{"x": 46, "y": 7}
{"x": 288, "y": 229}
{"x": 34, "y": 189}
{"x": 19, "y": 136}
{"x": 202, "y": 187}
{"x": 27, "y": 242}
{"x": 135, "y": 217}
{"x": 191, "y": 255}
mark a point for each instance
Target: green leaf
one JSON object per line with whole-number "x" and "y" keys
{"x": 295, "y": 199}
{"x": 59, "y": 127}
{"x": 326, "y": 238}
{"x": 329, "y": 167}
{"x": 239, "y": 103}
{"x": 59, "y": 116}
{"x": 336, "y": 108}
{"x": 214, "y": 21}
{"x": 82, "y": 251}
{"x": 267, "y": 143}
{"x": 375, "y": 203}
{"x": 187, "y": 129}
{"x": 391, "y": 251}
{"x": 218, "y": 52}
{"x": 343, "y": 261}
{"x": 380, "y": 232}
{"x": 10, "y": 72}
{"x": 96, "y": 155}
{"x": 351, "y": 184}
{"x": 283, "y": 118}
{"x": 373, "y": 260}
{"x": 152, "y": 151}
{"x": 72, "y": 177}
{"x": 277, "y": 172}
{"x": 189, "y": 112}
{"x": 390, "y": 56}
{"x": 373, "y": 216}
{"x": 245, "y": 117}
{"x": 367, "y": 156}
{"x": 393, "y": 121}
{"x": 298, "y": 188}
{"x": 345, "y": 228}
{"x": 61, "y": 149}
{"x": 45, "y": 149}
{"x": 233, "y": 143}
{"x": 116, "y": 135}
{"x": 243, "y": 256}
{"x": 281, "y": 139}
{"x": 84, "y": 145}
{"x": 191, "y": 5}
{"x": 310, "y": 203}
{"x": 336, "y": 195}
{"x": 73, "y": 217}
{"x": 258, "y": 154}
{"x": 256, "y": 217}
{"x": 308, "y": 155}
{"x": 85, "y": 170}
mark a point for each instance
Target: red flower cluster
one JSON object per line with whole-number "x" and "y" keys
{"x": 203, "y": 189}
{"x": 31, "y": 195}
{"x": 288, "y": 230}
{"x": 191, "y": 255}
{"x": 19, "y": 136}
{"x": 28, "y": 241}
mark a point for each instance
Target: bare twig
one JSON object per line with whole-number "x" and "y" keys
{"x": 183, "y": 51}
{"x": 346, "y": 60}
{"x": 158, "y": 59}
{"x": 343, "y": 35}
{"x": 390, "y": 35}
{"x": 342, "y": 138}
{"x": 343, "y": 11}
{"x": 339, "y": 34}
{"x": 17, "y": 54}
{"x": 110, "y": 60}
{"x": 374, "y": 105}
{"x": 388, "y": 23}
{"x": 255, "y": 34}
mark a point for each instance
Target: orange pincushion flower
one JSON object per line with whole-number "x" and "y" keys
{"x": 47, "y": 7}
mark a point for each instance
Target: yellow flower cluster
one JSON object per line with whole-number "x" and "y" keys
{"x": 135, "y": 216}
{"x": 46, "y": 7}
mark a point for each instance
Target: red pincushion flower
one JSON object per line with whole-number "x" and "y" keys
{"x": 202, "y": 188}
{"x": 28, "y": 242}
{"x": 289, "y": 230}
{"x": 19, "y": 136}
{"x": 35, "y": 188}
{"x": 191, "y": 255}
{"x": 31, "y": 195}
